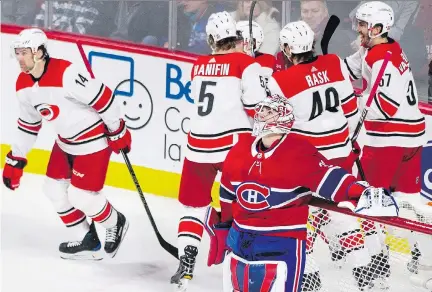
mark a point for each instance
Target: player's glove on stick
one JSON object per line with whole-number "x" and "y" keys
{"x": 120, "y": 139}
{"x": 376, "y": 202}
{"x": 218, "y": 232}
{"x": 13, "y": 171}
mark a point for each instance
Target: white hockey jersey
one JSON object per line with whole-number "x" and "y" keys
{"x": 76, "y": 105}
{"x": 225, "y": 89}
{"x": 325, "y": 107}
{"x": 394, "y": 118}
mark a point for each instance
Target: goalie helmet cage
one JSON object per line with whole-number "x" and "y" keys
{"x": 349, "y": 252}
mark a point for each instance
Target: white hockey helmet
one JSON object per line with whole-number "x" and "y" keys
{"x": 220, "y": 26}
{"x": 257, "y": 33}
{"x": 376, "y": 12}
{"x": 31, "y": 38}
{"x": 273, "y": 115}
{"x": 299, "y": 37}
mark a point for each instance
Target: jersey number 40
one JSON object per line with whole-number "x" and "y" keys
{"x": 329, "y": 102}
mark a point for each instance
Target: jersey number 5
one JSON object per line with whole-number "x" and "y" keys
{"x": 81, "y": 81}
{"x": 330, "y": 101}
{"x": 205, "y": 99}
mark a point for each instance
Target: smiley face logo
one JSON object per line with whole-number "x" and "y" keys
{"x": 138, "y": 108}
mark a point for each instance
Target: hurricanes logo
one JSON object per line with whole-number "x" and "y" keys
{"x": 48, "y": 111}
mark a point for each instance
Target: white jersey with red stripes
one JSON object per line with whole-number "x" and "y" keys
{"x": 325, "y": 106}
{"x": 225, "y": 88}
{"x": 78, "y": 107}
{"x": 394, "y": 118}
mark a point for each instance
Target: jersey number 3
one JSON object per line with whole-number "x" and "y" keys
{"x": 330, "y": 102}
{"x": 205, "y": 99}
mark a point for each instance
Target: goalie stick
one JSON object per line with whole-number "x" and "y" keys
{"x": 165, "y": 245}
{"x": 251, "y": 39}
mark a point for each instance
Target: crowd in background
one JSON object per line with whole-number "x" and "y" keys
{"x": 147, "y": 22}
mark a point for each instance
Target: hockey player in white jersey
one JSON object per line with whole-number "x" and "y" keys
{"x": 267, "y": 61}
{"x": 88, "y": 127}
{"x": 320, "y": 90}
{"x": 395, "y": 127}
{"x": 226, "y": 86}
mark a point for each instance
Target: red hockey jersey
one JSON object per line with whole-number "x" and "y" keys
{"x": 394, "y": 118}
{"x": 325, "y": 107}
{"x": 66, "y": 97}
{"x": 225, "y": 89}
{"x": 268, "y": 191}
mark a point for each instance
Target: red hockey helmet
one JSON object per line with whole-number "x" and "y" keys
{"x": 273, "y": 115}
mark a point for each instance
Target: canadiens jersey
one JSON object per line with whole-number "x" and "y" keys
{"x": 394, "y": 117}
{"x": 77, "y": 106}
{"x": 325, "y": 106}
{"x": 260, "y": 198}
{"x": 267, "y": 62}
{"x": 225, "y": 89}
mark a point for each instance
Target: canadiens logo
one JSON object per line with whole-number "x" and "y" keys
{"x": 48, "y": 111}
{"x": 253, "y": 197}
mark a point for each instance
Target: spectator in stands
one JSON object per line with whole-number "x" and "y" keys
{"x": 19, "y": 12}
{"x": 266, "y": 16}
{"x": 424, "y": 24}
{"x": 142, "y": 22}
{"x": 83, "y": 17}
{"x": 316, "y": 14}
{"x": 192, "y": 21}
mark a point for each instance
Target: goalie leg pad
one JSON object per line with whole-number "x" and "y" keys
{"x": 255, "y": 247}
{"x": 254, "y": 276}
{"x": 56, "y": 191}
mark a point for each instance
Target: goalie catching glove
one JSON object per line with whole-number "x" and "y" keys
{"x": 13, "y": 171}
{"x": 218, "y": 232}
{"x": 376, "y": 202}
{"x": 120, "y": 139}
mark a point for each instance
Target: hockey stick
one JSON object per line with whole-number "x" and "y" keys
{"x": 371, "y": 95}
{"x": 329, "y": 30}
{"x": 251, "y": 39}
{"x": 366, "y": 108}
{"x": 165, "y": 245}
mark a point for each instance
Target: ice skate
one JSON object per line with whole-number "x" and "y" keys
{"x": 186, "y": 267}
{"x": 115, "y": 235}
{"x": 87, "y": 249}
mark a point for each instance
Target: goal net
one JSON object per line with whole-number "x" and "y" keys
{"x": 348, "y": 252}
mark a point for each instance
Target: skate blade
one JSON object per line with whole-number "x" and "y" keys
{"x": 182, "y": 285}
{"x": 86, "y": 255}
{"x": 125, "y": 229}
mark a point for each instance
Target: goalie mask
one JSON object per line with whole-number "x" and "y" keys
{"x": 273, "y": 115}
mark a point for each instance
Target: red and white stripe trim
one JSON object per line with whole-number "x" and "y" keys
{"x": 94, "y": 132}
{"x": 191, "y": 227}
{"x": 104, "y": 214}
{"x": 72, "y": 217}
{"x": 103, "y": 99}
{"x": 29, "y": 128}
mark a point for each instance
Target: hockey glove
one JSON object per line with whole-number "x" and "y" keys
{"x": 218, "y": 232}
{"x": 120, "y": 139}
{"x": 376, "y": 202}
{"x": 13, "y": 171}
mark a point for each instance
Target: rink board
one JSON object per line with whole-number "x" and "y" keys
{"x": 152, "y": 87}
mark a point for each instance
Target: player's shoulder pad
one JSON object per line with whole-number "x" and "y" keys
{"x": 23, "y": 81}
{"x": 299, "y": 145}
{"x": 242, "y": 146}
{"x": 378, "y": 52}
